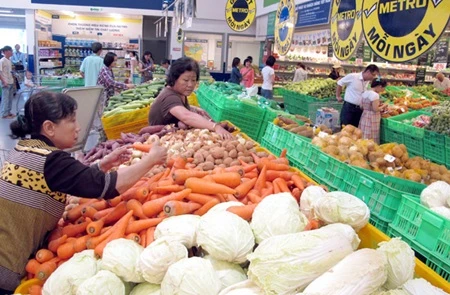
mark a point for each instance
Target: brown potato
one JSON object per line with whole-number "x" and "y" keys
{"x": 233, "y": 154}
{"x": 207, "y": 166}
{"x": 240, "y": 148}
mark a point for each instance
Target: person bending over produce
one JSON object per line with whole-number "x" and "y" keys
{"x": 356, "y": 84}
{"x": 172, "y": 107}
{"x": 38, "y": 173}
{"x": 370, "y": 119}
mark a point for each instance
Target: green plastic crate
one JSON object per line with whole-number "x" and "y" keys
{"x": 396, "y": 123}
{"x": 434, "y": 152}
{"x": 270, "y": 146}
{"x": 296, "y": 103}
{"x": 428, "y": 231}
{"x": 277, "y": 136}
{"x": 413, "y": 144}
{"x": 434, "y": 138}
{"x": 379, "y": 223}
{"x": 393, "y": 136}
{"x": 383, "y": 127}
{"x": 299, "y": 150}
{"x": 399, "y": 184}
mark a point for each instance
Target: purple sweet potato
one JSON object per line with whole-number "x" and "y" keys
{"x": 151, "y": 129}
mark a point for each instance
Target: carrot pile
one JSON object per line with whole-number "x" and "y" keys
{"x": 180, "y": 189}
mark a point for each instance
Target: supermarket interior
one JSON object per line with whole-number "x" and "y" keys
{"x": 225, "y": 147}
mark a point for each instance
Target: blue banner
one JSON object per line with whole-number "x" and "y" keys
{"x": 313, "y": 13}
{"x": 152, "y": 4}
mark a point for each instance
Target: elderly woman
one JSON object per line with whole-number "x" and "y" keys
{"x": 172, "y": 107}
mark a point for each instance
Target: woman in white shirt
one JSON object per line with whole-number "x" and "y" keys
{"x": 371, "y": 117}
{"x": 300, "y": 73}
{"x": 268, "y": 75}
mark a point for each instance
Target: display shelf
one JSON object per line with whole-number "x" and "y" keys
{"x": 49, "y": 68}
{"x": 50, "y": 57}
{"x": 49, "y": 47}
{"x": 90, "y": 47}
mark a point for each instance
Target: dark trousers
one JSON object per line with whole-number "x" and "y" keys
{"x": 6, "y": 292}
{"x": 350, "y": 114}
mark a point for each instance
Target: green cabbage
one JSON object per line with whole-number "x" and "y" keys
{"x": 180, "y": 228}
{"x": 277, "y": 214}
{"x": 227, "y": 272}
{"x": 243, "y": 288}
{"x": 146, "y": 289}
{"x": 104, "y": 282}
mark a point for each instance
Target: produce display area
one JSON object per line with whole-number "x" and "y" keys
{"x": 230, "y": 217}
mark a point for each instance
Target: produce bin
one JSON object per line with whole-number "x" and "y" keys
{"x": 397, "y": 183}
{"x": 426, "y": 231}
{"x": 434, "y": 147}
{"x": 133, "y": 127}
{"x": 126, "y": 118}
{"x": 393, "y": 136}
{"x": 297, "y": 103}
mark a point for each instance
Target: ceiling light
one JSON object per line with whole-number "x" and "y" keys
{"x": 69, "y": 13}
{"x": 12, "y": 15}
{"x": 6, "y": 11}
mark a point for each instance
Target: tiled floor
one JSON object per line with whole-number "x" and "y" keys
{"x": 6, "y": 142}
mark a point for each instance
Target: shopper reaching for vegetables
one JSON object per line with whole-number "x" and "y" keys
{"x": 38, "y": 174}
{"x": 172, "y": 107}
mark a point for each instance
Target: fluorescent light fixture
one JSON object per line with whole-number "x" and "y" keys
{"x": 116, "y": 15}
{"x": 69, "y": 13}
{"x": 289, "y": 25}
{"x": 12, "y": 15}
{"x": 6, "y": 11}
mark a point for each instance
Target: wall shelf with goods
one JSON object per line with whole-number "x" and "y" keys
{"x": 49, "y": 55}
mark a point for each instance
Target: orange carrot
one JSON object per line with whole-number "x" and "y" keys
{"x": 266, "y": 192}
{"x": 153, "y": 207}
{"x": 150, "y": 235}
{"x": 283, "y": 153}
{"x": 80, "y": 244}
{"x": 129, "y": 193}
{"x": 282, "y": 185}
{"x": 118, "y": 232}
{"x": 243, "y": 189}
{"x": 220, "y": 198}
{"x": 168, "y": 189}
{"x": 254, "y": 196}
{"x": 230, "y": 179}
{"x": 179, "y": 163}
{"x": 230, "y": 198}
{"x": 180, "y": 175}
{"x": 237, "y": 169}
{"x": 114, "y": 202}
{"x": 202, "y": 186}
{"x": 35, "y": 290}
{"x": 244, "y": 200}
{"x": 312, "y": 224}
{"x": 251, "y": 174}
{"x": 271, "y": 175}
{"x": 66, "y": 250}
{"x": 271, "y": 165}
{"x": 94, "y": 228}
{"x": 173, "y": 208}
{"x": 136, "y": 206}
{"x": 99, "y": 205}
{"x": 250, "y": 168}
{"x": 296, "y": 193}
{"x": 88, "y": 211}
{"x": 44, "y": 271}
{"x": 199, "y": 198}
{"x": 276, "y": 188}
{"x": 102, "y": 213}
{"x": 32, "y": 266}
{"x": 143, "y": 238}
{"x": 261, "y": 181}
{"x": 104, "y": 229}
{"x": 256, "y": 159}
{"x": 79, "y": 220}
{"x": 139, "y": 225}
{"x": 298, "y": 181}
{"x": 74, "y": 213}
{"x": 54, "y": 244}
{"x": 205, "y": 208}
{"x": 119, "y": 211}
{"x": 163, "y": 182}
{"x": 92, "y": 242}
{"x": 134, "y": 237}
{"x": 142, "y": 147}
{"x": 72, "y": 230}
{"x": 44, "y": 255}
{"x": 142, "y": 193}
{"x": 56, "y": 233}
{"x": 245, "y": 212}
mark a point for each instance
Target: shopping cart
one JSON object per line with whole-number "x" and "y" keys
{"x": 39, "y": 83}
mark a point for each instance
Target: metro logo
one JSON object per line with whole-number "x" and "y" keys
{"x": 240, "y": 14}
{"x": 400, "y": 5}
{"x": 346, "y": 15}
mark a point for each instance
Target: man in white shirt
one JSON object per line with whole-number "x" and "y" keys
{"x": 356, "y": 84}
{"x": 441, "y": 82}
{"x": 91, "y": 65}
{"x": 7, "y": 82}
{"x": 268, "y": 75}
{"x": 19, "y": 59}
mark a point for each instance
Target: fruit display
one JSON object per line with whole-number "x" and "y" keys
{"x": 431, "y": 92}
{"x": 440, "y": 118}
{"x": 307, "y": 130}
{"x": 391, "y": 158}
{"x": 159, "y": 70}
{"x": 318, "y": 88}
{"x": 133, "y": 99}
{"x": 420, "y": 121}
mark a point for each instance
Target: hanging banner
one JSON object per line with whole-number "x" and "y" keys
{"x": 284, "y": 26}
{"x": 240, "y": 14}
{"x": 313, "y": 13}
{"x": 401, "y": 31}
{"x": 196, "y": 49}
{"x": 271, "y": 24}
{"x": 346, "y": 27}
{"x": 312, "y": 38}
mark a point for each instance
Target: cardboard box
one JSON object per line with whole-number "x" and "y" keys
{"x": 328, "y": 117}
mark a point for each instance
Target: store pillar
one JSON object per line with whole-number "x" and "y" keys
{"x": 30, "y": 29}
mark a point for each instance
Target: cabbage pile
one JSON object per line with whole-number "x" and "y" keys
{"x": 436, "y": 196}
{"x": 222, "y": 254}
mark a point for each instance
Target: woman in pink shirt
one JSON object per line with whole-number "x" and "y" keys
{"x": 248, "y": 74}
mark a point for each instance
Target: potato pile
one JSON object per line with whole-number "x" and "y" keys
{"x": 306, "y": 130}
{"x": 208, "y": 150}
{"x": 391, "y": 158}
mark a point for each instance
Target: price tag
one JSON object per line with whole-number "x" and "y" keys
{"x": 323, "y": 134}
{"x": 390, "y": 169}
{"x": 403, "y": 110}
{"x": 389, "y": 158}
